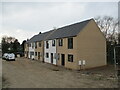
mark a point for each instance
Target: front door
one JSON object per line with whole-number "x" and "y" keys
{"x": 38, "y": 55}
{"x": 51, "y": 57}
{"x": 62, "y": 59}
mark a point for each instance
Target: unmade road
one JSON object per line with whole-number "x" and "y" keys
{"x": 26, "y": 73}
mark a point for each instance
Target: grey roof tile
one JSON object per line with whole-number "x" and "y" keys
{"x": 67, "y": 31}
{"x": 40, "y": 37}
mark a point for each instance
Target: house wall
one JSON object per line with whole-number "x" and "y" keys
{"x": 39, "y": 49}
{"x": 32, "y": 49}
{"x": 88, "y": 45}
{"x": 51, "y": 49}
{"x": 64, "y": 50}
{"x": 91, "y": 46}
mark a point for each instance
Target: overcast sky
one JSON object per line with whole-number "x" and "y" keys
{"x": 22, "y": 20}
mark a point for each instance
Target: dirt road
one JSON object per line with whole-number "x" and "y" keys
{"x": 25, "y": 73}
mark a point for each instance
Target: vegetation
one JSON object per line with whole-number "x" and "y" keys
{"x": 109, "y": 26}
{"x": 11, "y": 45}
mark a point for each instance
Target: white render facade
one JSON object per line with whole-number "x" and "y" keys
{"x": 50, "y": 51}
{"x": 31, "y": 54}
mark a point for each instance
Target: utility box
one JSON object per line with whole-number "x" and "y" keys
{"x": 80, "y": 62}
{"x": 83, "y": 62}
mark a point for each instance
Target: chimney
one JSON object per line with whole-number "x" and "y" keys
{"x": 27, "y": 39}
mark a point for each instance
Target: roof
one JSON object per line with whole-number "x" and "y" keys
{"x": 67, "y": 31}
{"x": 40, "y": 37}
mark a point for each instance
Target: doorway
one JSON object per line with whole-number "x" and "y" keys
{"x": 63, "y": 59}
{"x": 38, "y": 55}
{"x": 51, "y": 57}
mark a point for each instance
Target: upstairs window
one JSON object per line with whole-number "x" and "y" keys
{"x": 35, "y": 44}
{"x": 27, "y": 45}
{"x": 47, "y": 44}
{"x": 53, "y": 42}
{"x": 70, "y": 58}
{"x": 39, "y": 44}
{"x": 60, "y": 42}
{"x": 32, "y": 45}
{"x": 70, "y": 43}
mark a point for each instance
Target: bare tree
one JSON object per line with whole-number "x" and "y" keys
{"x": 109, "y": 26}
{"x": 8, "y": 39}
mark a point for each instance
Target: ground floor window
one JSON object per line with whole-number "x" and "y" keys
{"x": 47, "y": 55}
{"x": 38, "y": 53}
{"x": 31, "y": 53}
{"x": 70, "y": 57}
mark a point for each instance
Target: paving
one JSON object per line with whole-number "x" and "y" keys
{"x": 26, "y": 73}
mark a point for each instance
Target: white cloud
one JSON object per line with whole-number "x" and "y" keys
{"x": 19, "y": 34}
{"x": 23, "y": 20}
{"x": 36, "y": 18}
{"x": 60, "y": 0}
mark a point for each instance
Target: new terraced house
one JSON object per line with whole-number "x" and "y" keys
{"x": 77, "y": 46}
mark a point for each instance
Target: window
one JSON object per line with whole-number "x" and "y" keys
{"x": 35, "y": 53}
{"x": 47, "y": 44}
{"x": 31, "y": 53}
{"x": 53, "y": 42}
{"x": 70, "y": 43}
{"x": 27, "y": 45}
{"x": 32, "y": 45}
{"x": 39, "y": 44}
{"x": 70, "y": 58}
{"x": 47, "y": 55}
{"x": 60, "y": 42}
{"x": 38, "y": 53}
{"x": 35, "y": 44}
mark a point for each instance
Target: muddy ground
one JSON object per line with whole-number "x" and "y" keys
{"x": 26, "y": 73}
